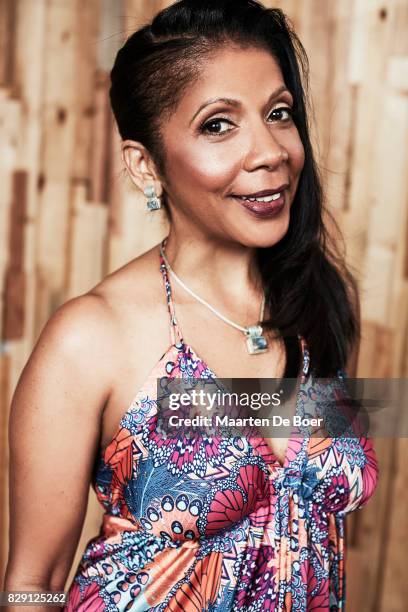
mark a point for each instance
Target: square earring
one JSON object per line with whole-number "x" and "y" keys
{"x": 153, "y": 202}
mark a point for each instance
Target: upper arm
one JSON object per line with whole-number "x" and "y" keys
{"x": 54, "y": 432}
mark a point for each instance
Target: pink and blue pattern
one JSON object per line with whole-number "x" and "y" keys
{"x": 221, "y": 525}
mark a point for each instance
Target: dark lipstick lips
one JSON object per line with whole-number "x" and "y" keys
{"x": 263, "y": 193}
{"x": 263, "y": 210}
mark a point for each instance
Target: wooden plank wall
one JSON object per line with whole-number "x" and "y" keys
{"x": 68, "y": 214}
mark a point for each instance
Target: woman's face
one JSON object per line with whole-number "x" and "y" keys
{"x": 233, "y": 155}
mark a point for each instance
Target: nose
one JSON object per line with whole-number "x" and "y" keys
{"x": 265, "y": 150}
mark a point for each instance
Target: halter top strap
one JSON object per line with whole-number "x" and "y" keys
{"x": 175, "y": 331}
{"x": 305, "y": 360}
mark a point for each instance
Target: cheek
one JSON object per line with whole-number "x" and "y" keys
{"x": 206, "y": 168}
{"x": 296, "y": 154}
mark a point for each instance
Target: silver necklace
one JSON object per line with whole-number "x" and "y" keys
{"x": 256, "y": 343}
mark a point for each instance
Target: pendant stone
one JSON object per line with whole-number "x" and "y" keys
{"x": 256, "y": 342}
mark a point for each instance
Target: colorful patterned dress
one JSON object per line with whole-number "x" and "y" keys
{"x": 221, "y": 525}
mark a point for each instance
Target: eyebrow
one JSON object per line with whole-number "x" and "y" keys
{"x": 236, "y": 103}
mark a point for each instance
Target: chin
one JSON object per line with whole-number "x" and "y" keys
{"x": 261, "y": 243}
{"x": 263, "y": 234}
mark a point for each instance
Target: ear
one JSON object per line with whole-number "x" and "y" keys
{"x": 140, "y": 166}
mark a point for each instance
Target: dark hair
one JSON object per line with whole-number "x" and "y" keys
{"x": 308, "y": 287}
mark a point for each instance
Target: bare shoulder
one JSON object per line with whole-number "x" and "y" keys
{"x": 75, "y": 322}
{"x": 91, "y": 322}
{"x": 133, "y": 297}
{"x": 80, "y": 330}
{"x": 68, "y": 371}
{"x": 87, "y": 340}
{"x": 135, "y": 283}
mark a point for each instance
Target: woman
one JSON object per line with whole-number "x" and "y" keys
{"x": 211, "y": 109}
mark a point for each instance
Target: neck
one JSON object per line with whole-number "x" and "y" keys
{"x": 223, "y": 273}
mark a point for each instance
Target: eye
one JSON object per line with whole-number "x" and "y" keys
{"x": 214, "y": 126}
{"x": 282, "y": 113}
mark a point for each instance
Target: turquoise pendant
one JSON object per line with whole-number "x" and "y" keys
{"x": 256, "y": 342}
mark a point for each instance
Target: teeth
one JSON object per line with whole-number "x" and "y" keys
{"x": 269, "y": 198}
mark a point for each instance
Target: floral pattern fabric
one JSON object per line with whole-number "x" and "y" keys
{"x": 220, "y": 524}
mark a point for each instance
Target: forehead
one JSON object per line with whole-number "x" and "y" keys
{"x": 248, "y": 74}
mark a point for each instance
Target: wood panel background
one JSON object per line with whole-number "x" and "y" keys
{"x": 68, "y": 214}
